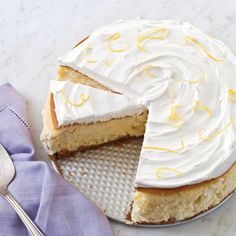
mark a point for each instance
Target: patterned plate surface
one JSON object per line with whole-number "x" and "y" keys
{"x": 106, "y": 175}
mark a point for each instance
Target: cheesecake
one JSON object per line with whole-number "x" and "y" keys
{"x": 164, "y": 80}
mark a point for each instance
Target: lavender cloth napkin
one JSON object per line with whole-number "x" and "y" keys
{"x": 54, "y": 205}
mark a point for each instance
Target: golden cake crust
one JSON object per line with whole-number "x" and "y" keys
{"x": 52, "y": 111}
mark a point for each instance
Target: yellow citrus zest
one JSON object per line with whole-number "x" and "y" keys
{"x": 198, "y": 106}
{"x": 84, "y": 98}
{"x": 202, "y": 79}
{"x": 108, "y": 62}
{"x": 178, "y": 150}
{"x": 86, "y": 54}
{"x": 174, "y": 119}
{"x": 114, "y": 37}
{"x": 202, "y": 47}
{"x": 159, "y": 171}
{"x": 155, "y": 34}
{"x": 232, "y": 95}
{"x": 147, "y": 69}
{"x": 192, "y": 81}
{"x": 214, "y": 134}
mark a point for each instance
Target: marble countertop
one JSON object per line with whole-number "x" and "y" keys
{"x": 33, "y": 34}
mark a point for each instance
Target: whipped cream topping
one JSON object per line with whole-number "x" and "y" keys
{"x": 77, "y": 103}
{"x": 185, "y": 78}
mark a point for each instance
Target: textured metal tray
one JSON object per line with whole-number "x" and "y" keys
{"x": 106, "y": 175}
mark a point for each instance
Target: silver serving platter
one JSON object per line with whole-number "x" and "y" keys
{"x": 106, "y": 176}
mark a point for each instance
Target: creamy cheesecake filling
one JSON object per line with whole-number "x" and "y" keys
{"x": 185, "y": 78}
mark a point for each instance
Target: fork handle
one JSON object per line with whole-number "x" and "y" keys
{"x": 32, "y": 228}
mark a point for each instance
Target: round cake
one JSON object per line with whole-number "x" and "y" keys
{"x": 165, "y": 80}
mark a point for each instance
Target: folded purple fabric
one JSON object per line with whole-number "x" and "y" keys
{"x": 52, "y": 203}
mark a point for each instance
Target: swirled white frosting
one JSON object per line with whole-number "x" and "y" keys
{"x": 98, "y": 105}
{"x": 183, "y": 77}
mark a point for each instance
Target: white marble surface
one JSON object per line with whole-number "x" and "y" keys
{"x": 33, "y": 34}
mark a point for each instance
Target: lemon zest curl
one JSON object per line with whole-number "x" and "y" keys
{"x": 155, "y": 34}
{"x": 203, "y": 48}
{"x": 178, "y": 150}
{"x": 84, "y": 98}
{"x": 160, "y": 170}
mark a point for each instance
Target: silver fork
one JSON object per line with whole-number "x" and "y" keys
{"x": 7, "y": 173}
